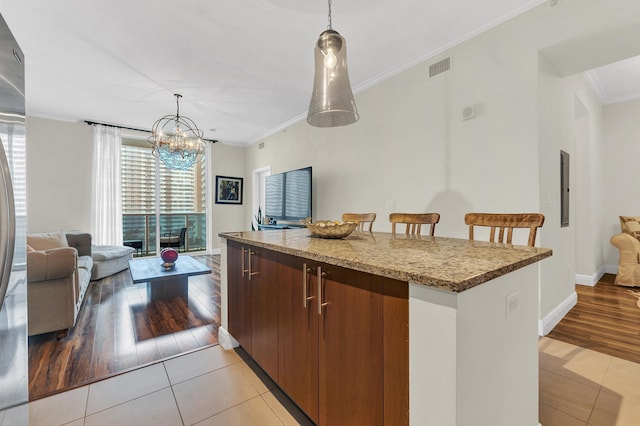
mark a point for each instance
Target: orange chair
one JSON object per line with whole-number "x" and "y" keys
{"x": 361, "y": 219}
{"x": 414, "y": 222}
{"x": 505, "y": 222}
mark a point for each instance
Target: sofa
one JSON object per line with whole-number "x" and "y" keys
{"x": 59, "y": 269}
{"x": 628, "y": 243}
{"x": 109, "y": 260}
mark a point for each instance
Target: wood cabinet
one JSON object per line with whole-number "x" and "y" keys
{"x": 263, "y": 265}
{"x": 252, "y": 303}
{"x": 239, "y": 295}
{"x": 298, "y": 334}
{"x": 341, "y": 336}
{"x": 351, "y": 375}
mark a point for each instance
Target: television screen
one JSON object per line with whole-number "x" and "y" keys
{"x": 288, "y": 195}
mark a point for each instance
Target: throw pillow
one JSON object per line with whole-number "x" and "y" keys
{"x": 46, "y": 241}
{"x": 630, "y": 225}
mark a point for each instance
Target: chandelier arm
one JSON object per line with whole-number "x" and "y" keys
{"x": 330, "y": 26}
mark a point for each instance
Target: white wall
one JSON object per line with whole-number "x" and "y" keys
{"x": 621, "y": 172}
{"x": 228, "y": 161}
{"x": 58, "y": 175}
{"x": 59, "y": 157}
{"x": 570, "y": 119}
{"x": 411, "y": 151}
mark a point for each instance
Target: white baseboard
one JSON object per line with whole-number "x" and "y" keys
{"x": 226, "y": 340}
{"x": 590, "y": 280}
{"x": 552, "y": 319}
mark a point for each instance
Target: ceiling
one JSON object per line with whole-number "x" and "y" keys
{"x": 616, "y": 82}
{"x": 244, "y": 68}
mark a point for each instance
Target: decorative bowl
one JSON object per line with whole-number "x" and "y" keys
{"x": 169, "y": 256}
{"x": 331, "y": 229}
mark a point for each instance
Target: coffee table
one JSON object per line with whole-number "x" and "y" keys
{"x": 163, "y": 284}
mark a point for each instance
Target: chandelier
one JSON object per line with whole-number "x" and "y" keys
{"x": 332, "y": 102}
{"x": 176, "y": 140}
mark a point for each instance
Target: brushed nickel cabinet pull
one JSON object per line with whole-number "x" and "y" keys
{"x": 305, "y": 285}
{"x": 321, "y": 304}
{"x": 251, "y": 273}
{"x": 242, "y": 261}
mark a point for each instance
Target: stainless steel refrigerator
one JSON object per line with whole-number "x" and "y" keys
{"x": 14, "y": 390}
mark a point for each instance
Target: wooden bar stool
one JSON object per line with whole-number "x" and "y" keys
{"x": 505, "y": 222}
{"x": 361, "y": 219}
{"x": 414, "y": 222}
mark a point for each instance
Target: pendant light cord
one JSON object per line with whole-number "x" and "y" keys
{"x": 330, "y": 27}
{"x": 177, "y": 104}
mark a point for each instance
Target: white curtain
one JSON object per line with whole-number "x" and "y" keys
{"x": 106, "y": 206}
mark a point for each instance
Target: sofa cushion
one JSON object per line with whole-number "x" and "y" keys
{"x": 51, "y": 264}
{"x": 81, "y": 241}
{"x": 47, "y": 240}
{"x": 109, "y": 260}
{"x": 630, "y": 225}
{"x": 85, "y": 262}
{"x": 100, "y": 253}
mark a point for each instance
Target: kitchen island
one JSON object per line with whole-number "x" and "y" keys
{"x": 462, "y": 314}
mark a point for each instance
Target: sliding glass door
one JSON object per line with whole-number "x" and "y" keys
{"x": 158, "y": 203}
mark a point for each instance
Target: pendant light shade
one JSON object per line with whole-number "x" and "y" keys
{"x": 332, "y": 102}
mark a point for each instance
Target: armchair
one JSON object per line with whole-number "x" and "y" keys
{"x": 175, "y": 240}
{"x": 58, "y": 274}
{"x": 628, "y": 243}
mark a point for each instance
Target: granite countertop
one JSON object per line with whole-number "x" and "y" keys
{"x": 451, "y": 264}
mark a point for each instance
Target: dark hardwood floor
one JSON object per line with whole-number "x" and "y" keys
{"x": 605, "y": 319}
{"x": 119, "y": 329}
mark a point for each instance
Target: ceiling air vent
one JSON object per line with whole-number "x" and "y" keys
{"x": 440, "y": 67}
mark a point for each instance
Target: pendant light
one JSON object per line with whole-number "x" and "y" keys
{"x": 332, "y": 102}
{"x": 176, "y": 140}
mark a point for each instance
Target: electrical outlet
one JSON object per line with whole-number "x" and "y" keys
{"x": 511, "y": 304}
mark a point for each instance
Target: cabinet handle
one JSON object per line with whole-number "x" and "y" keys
{"x": 321, "y": 304}
{"x": 251, "y": 253}
{"x": 242, "y": 262}
{"x": 305, "y": 285}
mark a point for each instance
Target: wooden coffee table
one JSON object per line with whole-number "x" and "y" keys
{"x": 163, "y": 284}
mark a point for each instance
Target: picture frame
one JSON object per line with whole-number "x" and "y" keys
{"x": 229, "y": 190}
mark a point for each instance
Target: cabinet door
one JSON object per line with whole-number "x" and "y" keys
{"x": 238, "y": 295}
{"x": 263, "y": 280}
{"x": 351, "y": 368}
{"x": 298, "y": 333}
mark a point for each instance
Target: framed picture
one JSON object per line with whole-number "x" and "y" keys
{"x": 228, "y": 190}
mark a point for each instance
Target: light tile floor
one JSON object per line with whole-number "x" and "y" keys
{"x": 578, "y": 387}
{"x": 207, "y": 387}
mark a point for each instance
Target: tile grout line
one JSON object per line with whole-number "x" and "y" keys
{"x": 175, "y": 399}
{"x": 86, "y": 405}
{"x": 599, "y": 390}
{"x": 269, "y": 405}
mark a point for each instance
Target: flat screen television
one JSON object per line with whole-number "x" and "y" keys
{"x": 288, "y": 195}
